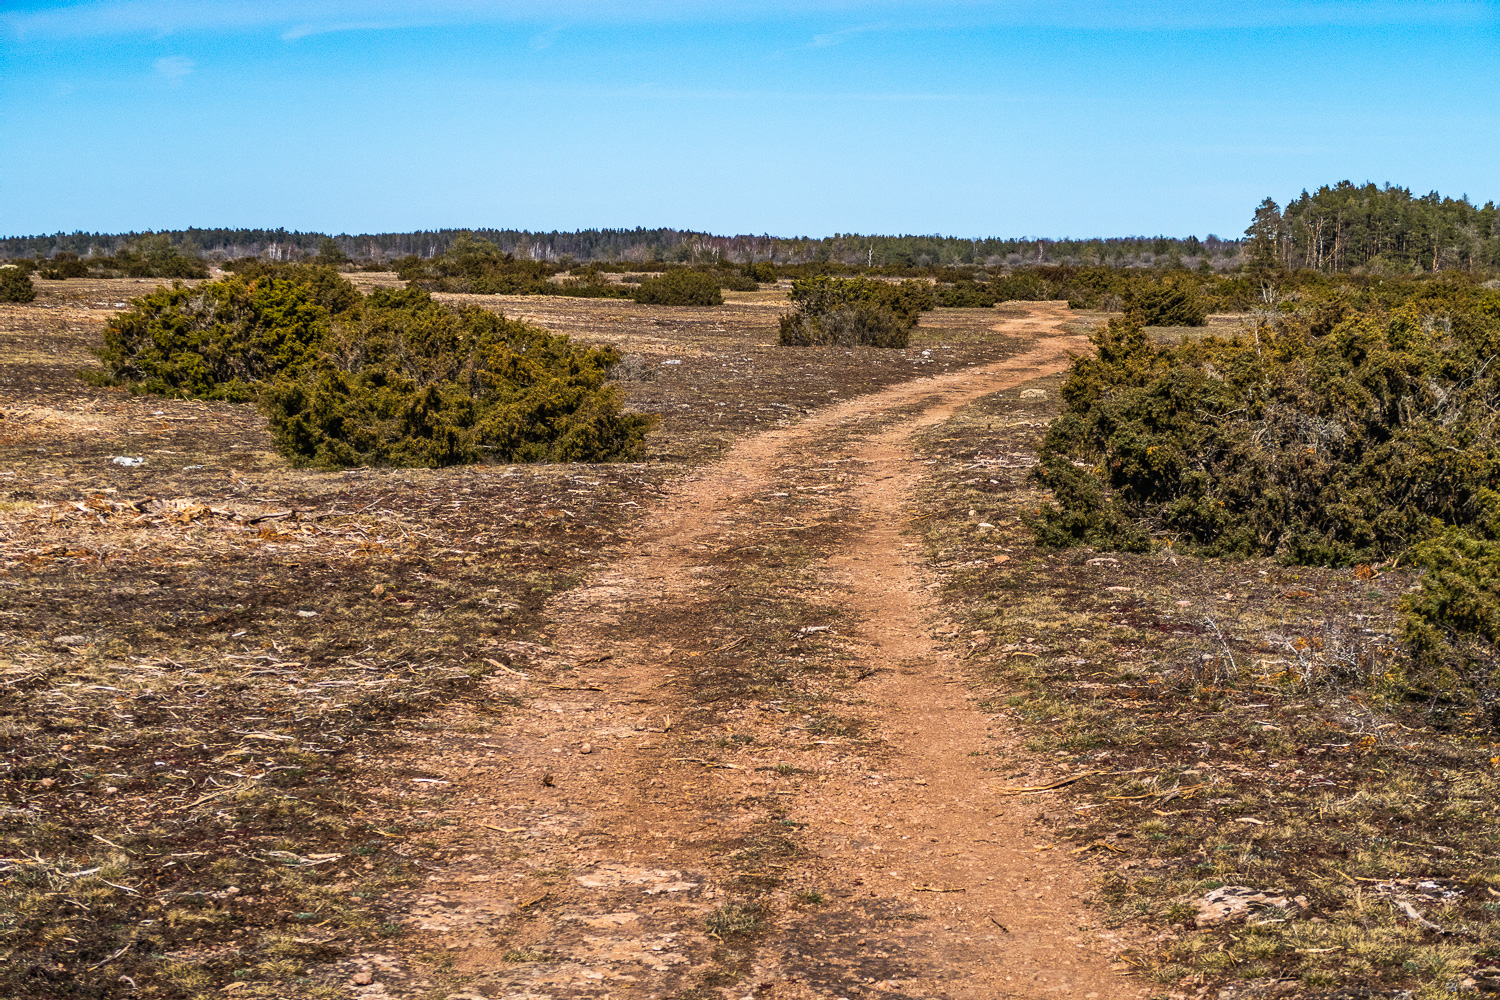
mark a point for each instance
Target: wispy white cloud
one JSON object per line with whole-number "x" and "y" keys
{"x": 308, "y": 28}
{"x": 830, "y": 38}
{"x": 174, "y": 68}
{"x": 292, "y": 20}
{"x": 544, "y": 39}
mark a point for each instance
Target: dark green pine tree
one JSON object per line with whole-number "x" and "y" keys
{"x": 1264, "y": 236}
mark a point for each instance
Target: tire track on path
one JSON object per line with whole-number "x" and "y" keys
{"x": 661, "y": 818}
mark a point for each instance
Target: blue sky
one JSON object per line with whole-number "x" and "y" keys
{"x": 1042, "y": 118}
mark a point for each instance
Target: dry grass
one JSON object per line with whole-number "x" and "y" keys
{"x": 1235, "y": 715}
{"x": 204, "y": 658}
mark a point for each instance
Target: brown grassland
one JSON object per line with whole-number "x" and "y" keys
{"x": 212, "y": 668}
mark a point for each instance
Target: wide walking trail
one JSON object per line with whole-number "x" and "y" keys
{"x": 745, "y": 768}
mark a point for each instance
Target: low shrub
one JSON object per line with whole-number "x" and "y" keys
{"x": 1334, "y": 436}
{"x": 328, "y": 287}
{"x": 729, "y": 281}
{"x": 849, "y": 312}
{"x": 680, "y": 286}
{"x": 966, "y": 294}
{"x": 586, "y": 289}
{"x": 416, "y": 383}
{"x": 393, "y": 378}
{"x": 1022, "y": 288}
{"x": 15, "y": 285}
{"x": 151, "y": 256}
{"x": 221, "y": 340}
{"x": 64, "y": 264}
{"x": 477, "y": 266}
{"x": 1452, "y": 623}
{"x": 1327, "y": 439}
{"x": 630, "y": 266}
{"x": 1161, "y": 303}
{"x": 761, "y": 272}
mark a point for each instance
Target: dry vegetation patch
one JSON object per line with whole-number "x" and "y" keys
{"x": 195, "y": 686}
{"x": 1220, "y": 748}
{"x": 714, "y": 374}
{"x": 206, "y": 656}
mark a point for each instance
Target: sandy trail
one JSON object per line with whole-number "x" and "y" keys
{"x": 599, "y": 851}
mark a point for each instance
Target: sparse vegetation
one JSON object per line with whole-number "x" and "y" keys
{"x": 356, "y": 604}
{"x": 1282, "y": 681}
{"x": 734, "y": 920}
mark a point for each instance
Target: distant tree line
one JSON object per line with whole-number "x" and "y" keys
{"x": 1378, "y": 230}
{"x": 151, "y": 256}
{"x": 648, "y": 247}
{"x": 1341, "y": 228}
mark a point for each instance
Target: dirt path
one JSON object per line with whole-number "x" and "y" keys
{"x": 746, "y": 768}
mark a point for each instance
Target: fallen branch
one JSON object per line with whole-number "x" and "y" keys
{"x": 706, "y": 763}
{"x": 1049, "y": 786}
{"x": 111, "y": 843}
{"x": 112, "y": 957}
{"x": 500, "y": 666}
{"x": 1157, "y": 794}
{"x": 274, "y": 517}
{"x": 1417, "y": 918}
{"x": 1098, "y": 843}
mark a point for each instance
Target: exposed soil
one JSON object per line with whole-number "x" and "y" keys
{"x": 698, "y": 795}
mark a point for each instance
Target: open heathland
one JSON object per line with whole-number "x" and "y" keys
{"x": 792, "y": 706}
